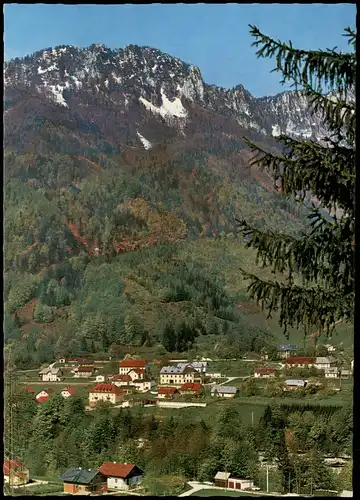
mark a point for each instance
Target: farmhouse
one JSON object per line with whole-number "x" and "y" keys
{"x": 189, "y": 388}
{"x": 121, "y": 380}
{"x": 332, "y": 372}
{"x": 82, "y": 480}
{"x": 299, "y": 362}
{"x": 144, "y": 384}
{"x": 323, "y": 363}
{"x": 177, "y": 376}
{"x": 121, "y": 476}
{"x": 68, "y": 391}
{"x": 286, "y": 350}
{"x": 84, "y": 371}
{"x": 167, "y": 392}
{"x": 224, "y": 391}
{"x": 15, "y": 473}
{"x": 44, "y": 395}
{"x": 264, "y": 372}
{"x": 51, "y": 374}
{"x": 105, "y": 392}
{"x": 126, "y": 365}
{"x": 294, "y": 384}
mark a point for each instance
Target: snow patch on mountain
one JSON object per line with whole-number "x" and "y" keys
{"x": 147, "y": 144}
{"x": 57, "y": 93}
{"x": 168, "y": 108}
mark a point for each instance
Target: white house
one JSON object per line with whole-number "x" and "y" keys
{"x": 322, "y": 363}
{"x": 51, "y": 374}
{"x": 136, "y": 374}
{"x": 100, "y": 378}
{"x": 178, "y": 376}
{"x": 121, "y": 476}
{"x": 332, "y": 372}
{"x": 67, "y": 392}
{"x": 264, "y": 372}
{"x": 121, "y": 380}
{"x": 105, "y": 392}
{"x": 223, "y": 391}
{"x": 126, "y": 365}
{"x": 144, "y": 385}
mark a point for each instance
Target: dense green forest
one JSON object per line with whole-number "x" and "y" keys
{"x": 103, "y": 251}
{"x": 173, "y": 450}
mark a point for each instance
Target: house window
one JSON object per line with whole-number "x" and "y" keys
{"x": 116, "y": 480}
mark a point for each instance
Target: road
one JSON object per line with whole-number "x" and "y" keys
{"x": 196, "y": 486}
{"x": 59, "y": 383}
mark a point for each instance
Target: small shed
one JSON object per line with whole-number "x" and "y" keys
{"x": 100, "y": 378}
{"x": 221, "y": 479}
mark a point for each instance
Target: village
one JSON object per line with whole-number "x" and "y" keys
{"x": 165, "y": 383}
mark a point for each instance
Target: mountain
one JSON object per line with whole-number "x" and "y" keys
{"x": 124, "y": 172}
{"x": 144, "y": 96}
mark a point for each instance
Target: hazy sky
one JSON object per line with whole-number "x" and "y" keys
{"x": 213, "y": 37}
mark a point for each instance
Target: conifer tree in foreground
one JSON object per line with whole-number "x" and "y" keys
{"x": 318, "y": 265}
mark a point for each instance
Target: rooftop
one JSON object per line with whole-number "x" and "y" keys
{"x": 132, "y": 363}
{"x": 116, "y": 469}
{"x": 79, "y": 475}
{"x": 11, "y": 465}
{"x": 225, "y": 389}
{"x": 106, "y": 388}
{"x": 167, "y": 390}
{"x": 189, "y": 386}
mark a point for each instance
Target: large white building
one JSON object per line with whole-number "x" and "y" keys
{"x": 178, "y": 375}
{"x": 105, "y": 392}
{"x": 321, "y": 363}
{"x": 50, "y": 374}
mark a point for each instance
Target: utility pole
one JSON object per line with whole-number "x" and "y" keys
{"x": 267, "y": 478}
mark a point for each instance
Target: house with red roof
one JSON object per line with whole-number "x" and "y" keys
{"x": 84, "y": 371}
{"x": 137, "y": 373}
{"x": 191, "y": 388}
{"x": 121, "y": 476}
{"x": 15, "y": 472}
{"x": 68, "y": 391}
{"x": 29, "y": 390}
{"x": 264, "y": 372}
{"x": 105, "y": 392}
{"x": 121, "y": 380}
{"x": 167, "y": 392}
{"x": 299, "y": 362}
{"x": 127, "y": 365}
{"x": 44, "y": 395}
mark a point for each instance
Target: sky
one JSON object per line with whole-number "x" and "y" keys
{"x": 214, "y": 37}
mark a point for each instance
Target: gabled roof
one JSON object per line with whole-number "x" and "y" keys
{"x": 106, "y": 388}
{"x": 178, "y": 369}
{"x": 71, "y": 390}
{"x": 223, "y": 475}
{"x": 123, "y": 378}
{"x": 189, "y": 386}
{"x": 325, "y": 360}
{"x": 10, "y": 465}
{"x": 301, "y": 360}
{"x": 167, "y": 390}
{"x": 79, "y": 475}
{"x": 264, "y": 370}
{"x": 29, "y": 389}
{"x": 53, "y": 371}
{"x": 224, "y": 389}
{"x": 115, "y": 469}
{"x": 300, "y": 383}
{"x": 132, "y": 363}
{"x": 85, "y": 368}
{"x": 48, "y": 391}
